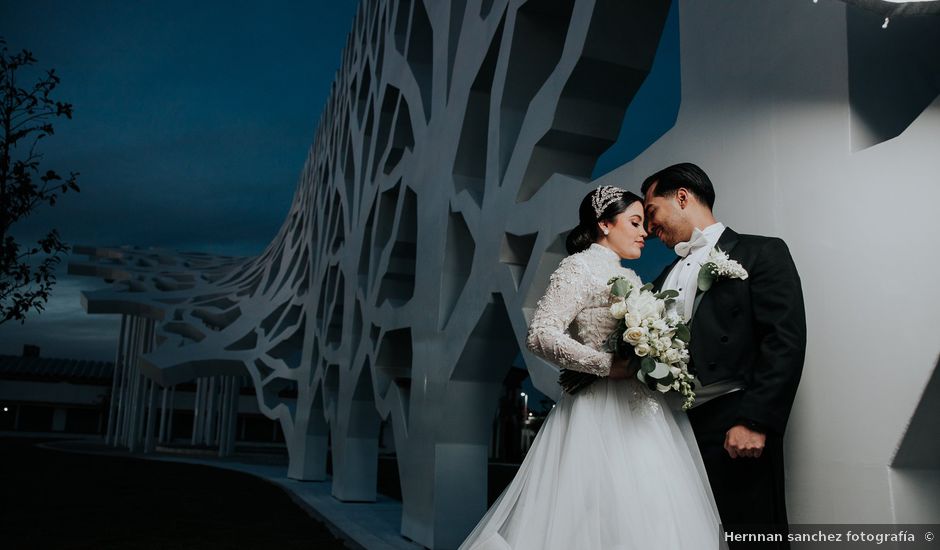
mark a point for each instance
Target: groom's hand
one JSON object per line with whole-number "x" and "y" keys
{"x": 744, "y": 442}
{"x": 622, "y": 368}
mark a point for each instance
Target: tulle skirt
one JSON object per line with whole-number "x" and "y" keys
{"x": 612, "y": 467}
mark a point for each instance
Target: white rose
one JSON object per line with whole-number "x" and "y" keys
{"x": 642, "y": 350}
{"x": 618, "y": 309}
{"x": 665, "y": 342}
{"x": 644, "y": 305}
{"x": 634, "y": 335}
{"x": 632, "y": 320}
{"x": 672, "y": 355}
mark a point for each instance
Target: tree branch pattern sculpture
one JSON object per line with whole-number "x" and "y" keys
{"x": 423, "y": 229}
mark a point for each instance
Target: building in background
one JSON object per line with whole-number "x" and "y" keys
{"x": 446, "y": 170}
{"x": 41, "y": 395}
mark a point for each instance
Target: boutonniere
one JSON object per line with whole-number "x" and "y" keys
{"x": 719, "y": 266}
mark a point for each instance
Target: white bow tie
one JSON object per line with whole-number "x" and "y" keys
{"x": 697, "y": 241}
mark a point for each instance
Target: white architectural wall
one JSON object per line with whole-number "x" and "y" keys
{"x": 766, "y": 112}
{"x": 448, "y": 165}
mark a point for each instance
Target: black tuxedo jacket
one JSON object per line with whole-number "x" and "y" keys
{"x": 752, "y": 330}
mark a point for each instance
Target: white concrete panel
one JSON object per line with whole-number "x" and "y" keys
{"x": 448, "y": 162}
{"x": 766, "y": 112}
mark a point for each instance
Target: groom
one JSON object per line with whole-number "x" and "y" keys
{"x": 747, "y": 347}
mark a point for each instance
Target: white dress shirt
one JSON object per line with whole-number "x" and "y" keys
{"x": 684, "y": 279}
{"x": 684, "y": 275}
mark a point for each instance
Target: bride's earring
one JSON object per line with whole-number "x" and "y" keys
{"x": 606, "y": 232}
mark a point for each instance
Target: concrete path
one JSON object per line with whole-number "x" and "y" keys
{"x": 372, "y": 526}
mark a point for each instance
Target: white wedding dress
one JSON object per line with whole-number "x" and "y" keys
{"x": 612, "y": 467}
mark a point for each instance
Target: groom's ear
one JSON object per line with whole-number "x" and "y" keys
{"x": 683, "y": 197}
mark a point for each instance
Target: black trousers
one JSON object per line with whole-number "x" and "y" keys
{"x": 749, "y": 492}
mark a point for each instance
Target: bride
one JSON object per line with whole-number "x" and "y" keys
{"x": 613, "y": 466}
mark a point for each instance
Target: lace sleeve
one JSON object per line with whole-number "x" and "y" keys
{"x": 566, "y": 295}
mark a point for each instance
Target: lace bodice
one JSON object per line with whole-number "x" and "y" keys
{"x": 572, "y": 320}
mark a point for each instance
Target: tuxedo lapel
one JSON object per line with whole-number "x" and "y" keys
{"x": 727, "y": 241}
{"x": 658, "y": 282}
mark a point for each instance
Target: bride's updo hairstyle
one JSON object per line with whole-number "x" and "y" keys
{"x": 611, "y": 201}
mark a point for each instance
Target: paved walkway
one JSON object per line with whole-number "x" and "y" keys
{"x": 373, "y": 526}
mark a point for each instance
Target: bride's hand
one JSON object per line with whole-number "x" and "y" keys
{"x": 622, "y": 369}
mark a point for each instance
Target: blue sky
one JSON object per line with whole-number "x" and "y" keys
{"x": 192, "y": 122}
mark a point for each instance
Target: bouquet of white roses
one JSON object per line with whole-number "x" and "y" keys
{"x": 654, "y": 333}
{"x": 647, "y": 329}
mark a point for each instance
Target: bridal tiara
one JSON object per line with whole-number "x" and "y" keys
{"x": 604, "y": 196}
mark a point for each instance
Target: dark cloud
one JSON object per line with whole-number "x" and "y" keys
{"x": 192, "y": 123}
{"x": 64, "y": 329}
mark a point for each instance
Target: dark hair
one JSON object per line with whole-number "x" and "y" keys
{"x": 686, "y": 175}
{"x": 587, "y": 232}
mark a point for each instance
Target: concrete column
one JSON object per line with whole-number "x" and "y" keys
{"x": 147, "y": 401}
{"x": 210, "y": 411}
{"x": 129, "y": 376}
{"x": 163, "y": 398}
{"x": 220, "y": 410}
{"x": 133, "y": 410}
{"x": 152, "y": 401}
{"x": 149, "y": 443}
{"x": 143, "y": 403}
{"x": 243, "y": 432}
{"x": 126, "y": 379}
{"x": 218, "y": 397}
{"x": 169, "y": 429}
{"x": 223, "y": 417}
{"x": 355, "y": 452}
{"x": 233, "y": 413}
{"x": 197, "y": 411}
{"x": 136, "y": 405}
{"x": 133, "y": 431}
{"x": 115, "y": 386}
{"x": 230, "y": 415}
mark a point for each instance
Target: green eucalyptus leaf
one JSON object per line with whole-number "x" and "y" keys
{"x": 648, "y": 364}
{"x": 668, "y": 294}
{"x": 683, "y": 333}
{"x": 660, "y": 371}
{"x": 620, "y": 287}
{"x": 705, "y": 279}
